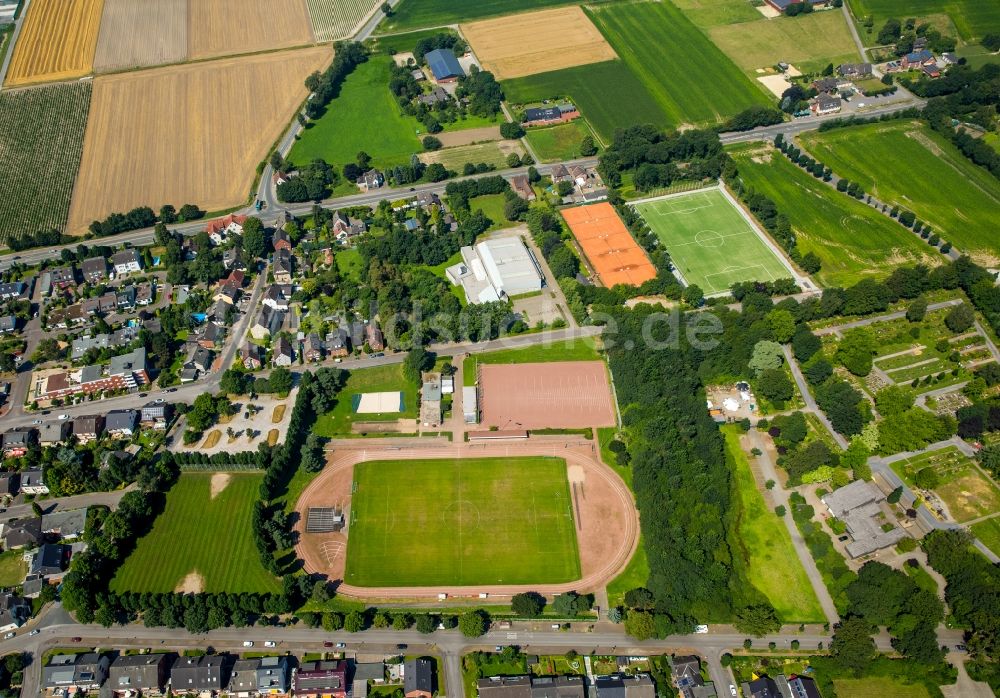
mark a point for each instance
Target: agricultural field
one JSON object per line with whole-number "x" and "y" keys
{"x": 415, "y": 14}
{"x": 598, "y": 91}
{"x": 57, "y": 42}
{"x": 141, "y": 33}
{"x": 972, "y": 18}
{"x": 809, "y": 42}
{"x": 965, "y": 490}
{"x": 203, "y": 154}
{"x": 364, "y": 106}
{"x": 572, "y": 350}
{"x": 494, "y": 153}
{"x": 558, "y": 143}
{"x": 712, "y": 13}
{"x": 988, "y": 533}
{"x": 336, "y": 19}
{"x": 41, "y": 139}
{"x": 674, "y": 60}
{"x": 227, "y": 27}
{"x": 536, "y": 42}
{"x": 461, "y": 522}
{"x": 710, "y": 242}
{"x": 337, "y": 422}
{"x": 958, "y": 199}
{"x": 772, "y": 566}
{"x": 202, "y": 541}
{"x": 852, "y": 240}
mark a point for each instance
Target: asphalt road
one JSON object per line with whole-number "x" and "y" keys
{"x": 79, "y": 501}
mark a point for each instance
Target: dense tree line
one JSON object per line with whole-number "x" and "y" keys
{"x": 751, "y": 118}
{"x": 657, "y": 159}
{"x": 325, "y": 86}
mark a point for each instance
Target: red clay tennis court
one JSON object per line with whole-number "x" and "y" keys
{"x": 609, "y": 246}
{"x": 560, "y": 395}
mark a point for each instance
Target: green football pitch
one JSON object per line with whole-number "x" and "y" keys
{"x": 461, "y": 522}
{"x": 710, "y": 242}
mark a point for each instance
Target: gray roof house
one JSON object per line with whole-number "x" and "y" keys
{"x": 504, "y": 687}
{"x": 14, "y": 611}
{"x": 85, "y": 672}
{"x": 20, "y": 533}
{"x": 65, "y": 523}
{"x": 10, "y": 482}
{"x": 88, "y": 427}
{"x": 146, "y": 673}
{"x": 557, "y": 687}
{"x": 418, "y": 678}
{"x": 260, "y": 675}
{"x": 33, "y": 482}
{"x": 51, "y": 433}
{"x": 50, "y": 559}
{"x": 94, "y": 270}
{"x": 207, "y": 673}
{"x": 320, "y": 678}
{"x": 121, "y": 422}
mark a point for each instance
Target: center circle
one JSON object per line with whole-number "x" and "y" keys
{"x": 463, "y": 513}
{"x": 709, "y": 238}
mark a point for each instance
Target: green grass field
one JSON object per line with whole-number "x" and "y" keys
{"x": 635, "y": 575}
{"x": 558, "y": 143}
{"x": 772, "y": 565}
{"x": 413, "y": 14}
{"x": 405, "y": 42}
{"x": 598, "y": 90}
{"x": 712, "y": 13}
{"x": 905, "y": 163}
{"x": 808, "y": 42}
{"x": 463, "y": 521}
{"x": 584, "y": 349}
{"x": 710, "y": 242}
{"x": 455, "y": 158}
{"x": 12, "y": 568}
{"x": 675, "y": 61}
{"x": 365, "y": 106}
{"x": 202, "y": 535}
{"x": 492, "y": 206}
{"x": 881, "y": 686}
{"x": 989, "y": 533}
{"x": 379, "y": 379}
{"x": 852, "y": 240}
{"x": 972, "y": 18}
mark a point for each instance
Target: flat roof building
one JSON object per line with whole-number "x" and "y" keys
{"x": 496, "y": 269}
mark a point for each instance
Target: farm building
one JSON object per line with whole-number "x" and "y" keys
{"x": 782, "y": 5}
{"x": 543, "y": 116}
{"x": 443, "y": 64}
{"x": 826, "y": 104}
{"x": 495, "y": 269}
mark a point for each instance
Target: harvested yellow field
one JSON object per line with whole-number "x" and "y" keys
{"x": 57, "y": 42}
{"x": 189, "y": 133}
{"x": 228, "y": 27}
{"x": 537, "y": 42}
{"x": 141, "y": 33}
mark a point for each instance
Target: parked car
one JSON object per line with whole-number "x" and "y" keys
{"x": 270, "y": 643}
{"x": 248, "y": 643}
{"x": 63, "y": 417}
{"x": 327, "y": 644}
{"x": 9, "y": 635}
{"x": 341, "y": 645}
{"x": 35, "y": 631}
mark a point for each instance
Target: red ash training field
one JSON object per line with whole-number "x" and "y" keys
{"x": 610, "y": 248}
{"x": 563, "y": 395}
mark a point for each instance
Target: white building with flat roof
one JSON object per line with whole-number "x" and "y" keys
{"x": 495, "y": 269}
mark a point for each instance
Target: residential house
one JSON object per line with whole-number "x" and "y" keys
{"x": 282, "y": 266}
{"x": 372, "y": 179}
{"x": 557, "y": 687}
{"x": 623, "y": 686}
{"x": 444, "y": 65}
{"x": 121, "y": 423}
{"x": 211, "y": 336}
{"x": 202, "y": 359}
{"x": 10, "y": 482}
{"x": 321, "y": 678}
{"x": 357, "y": 330}
{"x": 283, "y": 354}
{"x": 14, "y": 611}
{"x": 33, "y": 482}
{"x": 268, "y": 322}
{"x": 139, "y": 673}
{"x": 763, "y": 687}
{"x": 260, "y": 676}
{"x": 8, "y": 324}
{"x": 931, "y": 71}
{"x": 107, "y": 303}
{"x": 281, "y": 240}
{"x": 208, "y": 673}
{"x": 277, "y": 296}
{"x": 54, "y": 432}
{"x": 522, "y": 187}
{"x": 21, "y": 533}
{"x": 855, "y": 71}
{"x": 233, "y": 259}
{"x": 803, "y": 687}
{"x": 825, "y": 104}
{"x": 504, "y": 687}
{"x": 127, "y": 261}
{"x": 373, "y": 336}
{"x": 65, "y": 523}
{"x": 31, "y": 587}
{"x": 688, "y": 680}
{"x": 915, "y": 59}
{"x": 90, "y": 306}
{"x": 125, "y": 298}
{"x": 95, "y": 270}
{"x": 221, "y": 228}
{"x": 227, "y": 293}
{"x": 156, "y": 414}
{"x": 313, "y": 350}
{"x": 62, "y": 278}
{"x": 50, "y": 559}
{"x": 12, "y": 289}
{"x": 252, "y": 356}
{"x": 144, "y": 294}
{"x": 75, "y": 673}
{"x": 88, "y": 428}
{"x": 337, "y": 343}
{"x": 543, "y": 116}
{"x": 827, "y": 85}
{"x": 64, "y": 318}
{"x": 418, "y": 678}
{"x": 435, "y": 96}
{"x": 17, "y": 441}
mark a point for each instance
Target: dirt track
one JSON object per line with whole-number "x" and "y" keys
{"x": 608, "y": 524}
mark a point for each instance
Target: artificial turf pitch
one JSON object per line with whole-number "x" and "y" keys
{"x": 461, "y": 522}
{"x": 710, "y": 242}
